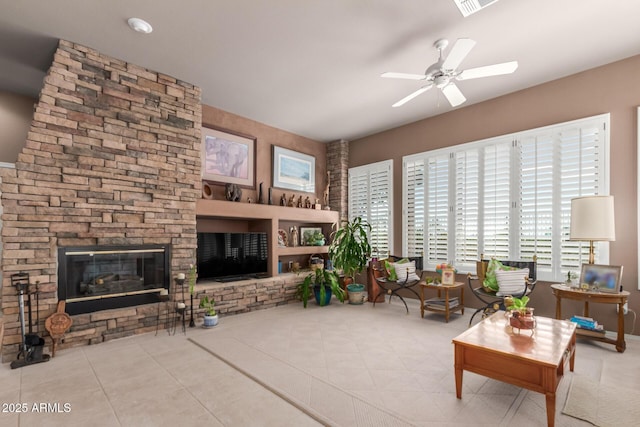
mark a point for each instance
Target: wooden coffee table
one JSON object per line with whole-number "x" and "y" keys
{"x": 491, "y": 348}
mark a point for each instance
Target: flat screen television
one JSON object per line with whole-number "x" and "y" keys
{"x": 232, "y": 256}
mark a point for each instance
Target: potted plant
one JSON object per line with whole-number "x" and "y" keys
{"x": 323, "y": 284}
{"x": 520, "y": 316}
{"x": 313, "y": 238}
{"x": 210, "y": 315}
{"x": 350, "y": 249}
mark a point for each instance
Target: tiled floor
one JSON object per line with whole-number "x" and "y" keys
{"x": 338, "y": 365}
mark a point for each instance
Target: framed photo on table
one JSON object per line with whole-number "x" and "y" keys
{"x": 448, "y": 277}
{"x": 294, "y": 170}
{"x": 602, "y": 278}
{"x": 228, "y": 158}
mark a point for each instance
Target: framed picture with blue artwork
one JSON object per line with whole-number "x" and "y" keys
{"x": 228, "y": 158}
{"x": 602, "y": 278}
{"x": 294, "y": 170}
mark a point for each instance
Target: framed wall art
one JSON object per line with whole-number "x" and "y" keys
{"x": 228, "y": 158}
{"x": 294, "y": 170}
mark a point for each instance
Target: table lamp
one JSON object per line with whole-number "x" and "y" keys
{"x": 592, "y": 219}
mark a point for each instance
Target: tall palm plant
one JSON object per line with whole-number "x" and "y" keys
{"x": 350, "y": 249}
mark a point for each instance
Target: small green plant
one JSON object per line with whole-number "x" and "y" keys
{"x": 322, "y": 280}
{"x": 519, "y": 304}
{"x": 312, "y": 238}
{"x": 209, "y": 305}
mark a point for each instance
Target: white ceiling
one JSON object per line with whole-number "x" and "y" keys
{"x": 312, "y": 67}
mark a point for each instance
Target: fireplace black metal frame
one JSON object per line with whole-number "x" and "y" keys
{"x": 81, "y": 306}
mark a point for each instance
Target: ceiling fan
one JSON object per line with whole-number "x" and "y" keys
{"x": 442, "y": 73}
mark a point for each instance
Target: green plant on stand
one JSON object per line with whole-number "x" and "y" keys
{"x": 323, "y": 284}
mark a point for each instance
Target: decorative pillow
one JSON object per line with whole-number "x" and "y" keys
{"x": 404, "y": 267}
{"x": 490, "y": 282}
{"x": 391, "y": 270}
{"x": 511, "y": 282}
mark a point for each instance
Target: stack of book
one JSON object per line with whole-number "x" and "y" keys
{"x": 588, "y": 326}
{"x": 439, "y": 303}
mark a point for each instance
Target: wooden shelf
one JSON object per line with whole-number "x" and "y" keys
{"x": 302, "y": 250}
{"x": 238, "y": 210}
{"x": 269, "y": 218}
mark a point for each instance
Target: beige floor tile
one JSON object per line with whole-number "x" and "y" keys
{"x": 357, "y": 365}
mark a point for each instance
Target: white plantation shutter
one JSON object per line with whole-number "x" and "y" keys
{"x": 437, "y": 210}
{"x": 537, "y": 199}
{"x": 584, "y": 172}
{"x": 496, "y": 188}
{"x": 370, "y": 197}
{"x": 413, "y": 207}
{"x": 508, "y": 197}
{"x": 467, "y": 207}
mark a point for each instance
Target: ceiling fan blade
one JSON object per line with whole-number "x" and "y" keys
{"x": 488, "y": 71}
{"x": 404, "y": 76}
{"x": 411, "y": 96}
{"x": 453, "y": 95}
{"x": 458, "y": 52}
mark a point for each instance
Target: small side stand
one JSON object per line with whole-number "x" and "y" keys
{"x": 181, "y": 308}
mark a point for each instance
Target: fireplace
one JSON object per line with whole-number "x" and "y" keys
{"x": 94, "y": 278}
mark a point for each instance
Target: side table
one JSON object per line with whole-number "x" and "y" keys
{"x": 440, "y": 304}
{"x": 620, "y": 298}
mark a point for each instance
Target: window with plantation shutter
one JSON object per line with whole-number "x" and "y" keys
{"x": 496, "y": 190}
{"x": 413, "y": 208}
{"x": 507, "y": 197}
{"x": 370, "y": 197}
{"x": 467, "y": 207}
{"x": 437, "y": 209}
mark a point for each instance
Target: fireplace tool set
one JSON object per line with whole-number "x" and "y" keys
{"x": 32, "y": 344}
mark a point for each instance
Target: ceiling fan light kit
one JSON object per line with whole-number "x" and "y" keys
{"x": 139, "y": 25}
{"x": 442, "y": 73}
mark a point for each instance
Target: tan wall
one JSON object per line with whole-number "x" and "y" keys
{"x": 16, "y": 112}
{"x": 266, "y": 138}
{"x": 614, "y": 88}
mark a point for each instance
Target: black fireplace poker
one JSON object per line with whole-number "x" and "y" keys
{"x": 192, "y": 324}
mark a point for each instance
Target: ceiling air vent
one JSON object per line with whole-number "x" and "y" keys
{"x": 469, "y": 7}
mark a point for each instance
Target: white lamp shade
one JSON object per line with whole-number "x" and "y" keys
{"x": 592, "y": 218}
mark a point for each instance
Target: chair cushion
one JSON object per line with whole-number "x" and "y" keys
{"x": 512, "y": 282}
{"x": 490, "y": 282}
{"x": 403, "y": 267}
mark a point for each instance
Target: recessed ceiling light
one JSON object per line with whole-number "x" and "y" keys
{"x": 140, "y": 25}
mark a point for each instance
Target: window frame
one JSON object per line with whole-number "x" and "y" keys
{"x": 384, "y": 166}
{"x": 516, "y": 175}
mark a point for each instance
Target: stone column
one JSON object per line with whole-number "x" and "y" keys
{"x": 338, "y": 167}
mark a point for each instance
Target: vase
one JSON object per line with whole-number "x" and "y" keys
{"x": 210, "y": 321}
{"x": 260, "y": 195}
{"x": 522, "y": 319}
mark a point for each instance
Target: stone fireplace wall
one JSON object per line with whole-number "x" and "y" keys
{"x": 112, "y": 158}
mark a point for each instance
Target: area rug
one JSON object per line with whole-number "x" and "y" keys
{"x": 601, "y": 404}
